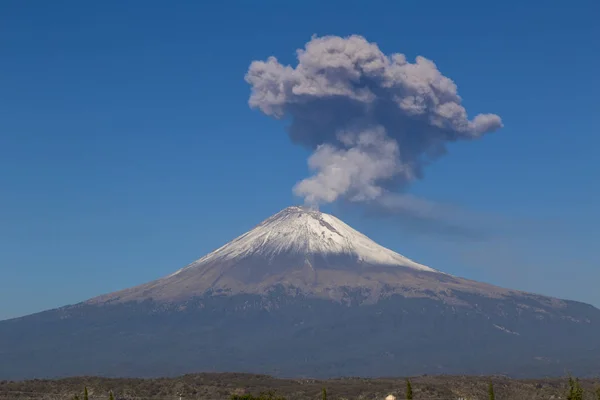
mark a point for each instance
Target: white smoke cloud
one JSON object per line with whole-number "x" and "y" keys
{"x": 353, "y": 169}
{"x": 374, "y": 121}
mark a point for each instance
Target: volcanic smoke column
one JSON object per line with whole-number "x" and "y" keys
{"x": 373, "y": 121}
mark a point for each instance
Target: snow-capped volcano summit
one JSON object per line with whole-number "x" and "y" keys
{"x": 297, "y": 248}
{"x": 302, "y": 251}
{"x": 304, "y": 233}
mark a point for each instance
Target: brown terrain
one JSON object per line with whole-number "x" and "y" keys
{"x": 214, "y": 386}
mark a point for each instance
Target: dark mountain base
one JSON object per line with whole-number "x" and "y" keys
{"x": 293, "y": 336}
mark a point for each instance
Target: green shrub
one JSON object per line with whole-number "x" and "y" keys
{"x": 261, "y": 396}
{"x": 575, "y": 390}
{"x": 491, "y": 392}
{"x": 409, "y": 392}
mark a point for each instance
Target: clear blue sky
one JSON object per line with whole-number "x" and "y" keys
{"x": 127, "y": 147}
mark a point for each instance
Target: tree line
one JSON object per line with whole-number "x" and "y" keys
{"x": 574, "y": 392}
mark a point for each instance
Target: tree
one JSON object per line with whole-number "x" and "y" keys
{"x": 575, "y": 390}
{"x": 578, "y": 391}
{"x": 491, "y": 391}
{"x": 598, "y": 393}
{"x": 111, "y": 396}
{"x": 409, "y": 393}
{"x": 324, "y": 396}
{"x": 85, "y": 393}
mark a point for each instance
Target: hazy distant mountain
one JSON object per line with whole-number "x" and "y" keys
{"x": 305, "y": 294}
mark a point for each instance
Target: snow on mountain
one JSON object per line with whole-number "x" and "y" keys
{"x": 308, "y": 252}
{"x": 305, "y": 232}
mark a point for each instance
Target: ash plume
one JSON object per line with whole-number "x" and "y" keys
{"x": 373, "y": 121}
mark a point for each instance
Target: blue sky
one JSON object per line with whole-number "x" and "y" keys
{"x": 127, "y": 147}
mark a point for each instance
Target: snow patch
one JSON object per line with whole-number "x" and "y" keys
{"x": 503, "y": 329}
{"x": 301, "y": 230}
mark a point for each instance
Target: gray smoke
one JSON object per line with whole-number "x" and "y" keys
{"x": 373, "y": 121}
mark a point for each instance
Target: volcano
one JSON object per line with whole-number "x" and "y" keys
{"x": 304, "y": 294}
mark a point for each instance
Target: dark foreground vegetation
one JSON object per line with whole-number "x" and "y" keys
{"x": 260, "y": 387}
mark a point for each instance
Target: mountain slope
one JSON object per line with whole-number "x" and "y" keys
{"x": 304, "y": 251}
{"x": 303, "y": 294}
